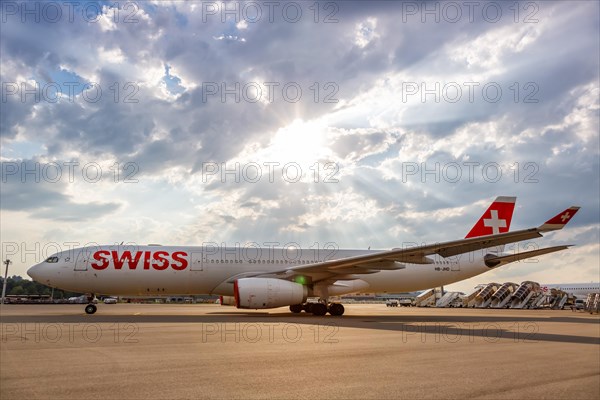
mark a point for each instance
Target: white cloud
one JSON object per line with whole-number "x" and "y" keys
{"x": 233, "y": 38}
{"x": 365, "y": 32}
{"x": 114, "y": 55}
{"x": 489, "y": 50}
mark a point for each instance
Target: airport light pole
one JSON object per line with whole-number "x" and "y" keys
{"x": 7, "y": 262}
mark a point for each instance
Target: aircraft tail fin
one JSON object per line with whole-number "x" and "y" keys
{"x": 496, "y": 219}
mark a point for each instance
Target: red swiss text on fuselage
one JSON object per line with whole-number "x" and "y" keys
{"x": 159, "y": 260}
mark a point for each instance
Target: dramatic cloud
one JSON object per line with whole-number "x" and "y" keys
{"x": 364, "y": 124}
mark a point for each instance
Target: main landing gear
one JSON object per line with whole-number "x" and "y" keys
{"x": 91, "y": 307}
{"x": 318, "y": 308}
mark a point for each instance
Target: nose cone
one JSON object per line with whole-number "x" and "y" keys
{"x": 35, "y": 272}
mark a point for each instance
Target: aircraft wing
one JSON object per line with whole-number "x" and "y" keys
{"x": 344, "y": 268}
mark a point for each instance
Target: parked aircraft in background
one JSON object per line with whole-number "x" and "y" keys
{"x": 579, "y": 290}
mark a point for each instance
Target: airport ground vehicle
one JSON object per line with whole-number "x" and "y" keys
{"x": 405, "y": 302}
{"x": 392, "y": 303}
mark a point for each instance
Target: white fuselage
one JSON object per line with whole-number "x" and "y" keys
{"x": 579, "y": 290}
{"x": 165, "y": 270}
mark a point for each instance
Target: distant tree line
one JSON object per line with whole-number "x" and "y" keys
{"x": 19, "y": 286}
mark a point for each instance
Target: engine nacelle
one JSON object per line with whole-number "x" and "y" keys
{"x": 268, "y": 293}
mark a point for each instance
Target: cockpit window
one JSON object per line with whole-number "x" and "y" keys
{"x": 52, "y": 259}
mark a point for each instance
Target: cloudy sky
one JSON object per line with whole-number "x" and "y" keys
{"x": 362, "y": 124}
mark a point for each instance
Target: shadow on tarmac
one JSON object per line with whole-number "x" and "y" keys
{"x": 490, "y": 327}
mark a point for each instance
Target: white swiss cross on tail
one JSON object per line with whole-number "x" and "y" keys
{"x": 496, "y": 219}
{"x": 495, "y": 223}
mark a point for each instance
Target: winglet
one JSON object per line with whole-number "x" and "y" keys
{"x": 559, "y": 220}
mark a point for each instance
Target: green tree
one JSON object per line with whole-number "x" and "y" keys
{"x": 16, "y": 285}
{"x": 17, "y": 290}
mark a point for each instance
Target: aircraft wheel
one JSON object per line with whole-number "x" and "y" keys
{"x": 336, "y": 309}
{"x": 296, "y": 308}
{"x": 90, "y": 309}
{"x": 318, "y": 309}
{"x": 308, "y": 307}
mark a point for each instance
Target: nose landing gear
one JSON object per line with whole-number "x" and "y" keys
{"x": 91, "y": 307}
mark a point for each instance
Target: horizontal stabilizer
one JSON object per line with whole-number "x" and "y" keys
{"x": 494, "y": 261}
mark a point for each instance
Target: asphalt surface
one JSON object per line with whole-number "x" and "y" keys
{"x": 128, "y": 351}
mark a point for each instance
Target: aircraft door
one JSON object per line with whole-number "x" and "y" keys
{"x": 196, "y": 262}
{"x": 83, "y": 259}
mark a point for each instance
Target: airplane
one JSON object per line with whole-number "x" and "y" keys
{"x": 579, "y": 290}
{"x": 264, "y": 278}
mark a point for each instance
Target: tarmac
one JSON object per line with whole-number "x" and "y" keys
{"x": 141, "y": 351}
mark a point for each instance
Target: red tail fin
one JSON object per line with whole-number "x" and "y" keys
{"x": 496, "y": 219}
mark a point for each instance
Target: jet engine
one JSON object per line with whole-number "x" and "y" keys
{"x": 268, "y": 293}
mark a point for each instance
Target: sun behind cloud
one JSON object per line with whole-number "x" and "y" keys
{"x": 300, "y": 142}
